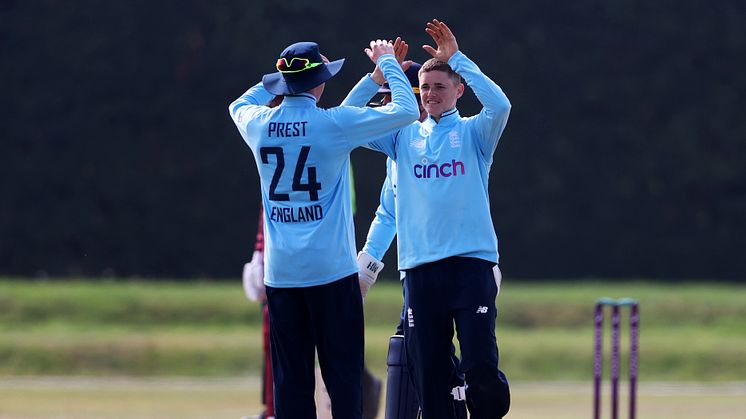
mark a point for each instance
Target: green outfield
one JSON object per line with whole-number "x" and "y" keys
{"x": 207, "y": 334}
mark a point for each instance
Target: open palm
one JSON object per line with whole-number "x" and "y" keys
{"x": 444, "y": 40}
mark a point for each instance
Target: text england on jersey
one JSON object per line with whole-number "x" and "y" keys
{"x": 296, "y": 215}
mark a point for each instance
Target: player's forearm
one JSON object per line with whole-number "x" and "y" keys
{"x": 490, "y": 95}
{"x": 256, "y": 95}
{"x": 401, "y": 91}
{"x": 363, "y": 125}
{"x": 361, "y": 94}
{"x": 381, "y": 233}
{"x": 380, "y": 236}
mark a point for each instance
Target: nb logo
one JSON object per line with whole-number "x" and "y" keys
{"x": 482, "y": 309}
{"x": 410, "y": 318}
{"x": 373, "y": 267}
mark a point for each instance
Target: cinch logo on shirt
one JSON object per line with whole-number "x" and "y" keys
{"x": 427, "y": 171}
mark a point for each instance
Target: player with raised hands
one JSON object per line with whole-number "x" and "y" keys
{"x": 313, "y": 292}
{"x": 447, "y": 245}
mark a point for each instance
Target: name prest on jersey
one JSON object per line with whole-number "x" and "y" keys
{"x": 287, "y": 129}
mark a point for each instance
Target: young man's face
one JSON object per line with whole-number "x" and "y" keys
{"x": 439, "y": 92}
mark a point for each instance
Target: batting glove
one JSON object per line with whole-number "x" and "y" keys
{"x": 253, "y": 278}
{"x": 368, "y": 269}
{"x": 498, "y": 278}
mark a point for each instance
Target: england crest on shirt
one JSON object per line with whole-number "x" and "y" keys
{"x": 454, "y": 139}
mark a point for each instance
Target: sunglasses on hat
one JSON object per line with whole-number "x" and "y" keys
{"x": 295, "y": 65}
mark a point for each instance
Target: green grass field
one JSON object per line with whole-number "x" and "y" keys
{"x": 206, "y": 334}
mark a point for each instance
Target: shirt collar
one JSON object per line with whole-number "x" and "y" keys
{"x": 301, "y": 99}
{"x": 447, "y": 118}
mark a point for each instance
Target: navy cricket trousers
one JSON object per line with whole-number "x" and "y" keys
{"x": 460, "y": 291}
{"x": 324, "y": 319}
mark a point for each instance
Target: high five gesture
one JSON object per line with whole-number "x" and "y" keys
{"x": 444, "y": 39}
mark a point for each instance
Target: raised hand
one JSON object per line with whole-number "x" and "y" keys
{"x": 444, "y": 40}
{"x": 378, "y": 48}
{"x": 400, "y": 49}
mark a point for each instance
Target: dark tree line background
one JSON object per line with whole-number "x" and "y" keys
{"x": 624, "y": 156}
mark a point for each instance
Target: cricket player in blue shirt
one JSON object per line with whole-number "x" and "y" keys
{"x": 313, "y": 292}
{"x": 401, "y": 402}
{"x": 446, "y": 240}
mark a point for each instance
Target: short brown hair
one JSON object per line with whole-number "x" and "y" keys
{"x": 434, "y": 64}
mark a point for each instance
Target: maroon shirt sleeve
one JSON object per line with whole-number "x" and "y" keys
{"x": 259, "y": 245}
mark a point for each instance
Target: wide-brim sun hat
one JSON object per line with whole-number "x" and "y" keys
{"x": 300, "y": 68}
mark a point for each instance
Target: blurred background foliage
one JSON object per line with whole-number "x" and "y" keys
{"x": 624, "y": 154}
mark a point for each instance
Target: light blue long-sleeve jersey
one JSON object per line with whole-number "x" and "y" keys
{"x": 442, "y": 205}
{"x": 302, "y": 153}
{"x": 383, "y": 228}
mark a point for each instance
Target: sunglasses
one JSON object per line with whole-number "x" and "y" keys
{"x": 295, "y": 65}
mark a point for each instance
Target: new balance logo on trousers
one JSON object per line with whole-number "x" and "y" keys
{"x": 482, "y": 309}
